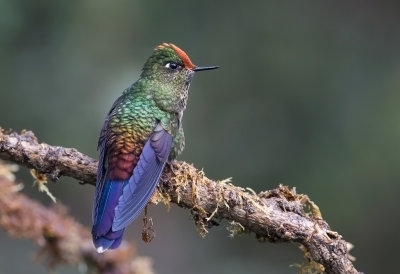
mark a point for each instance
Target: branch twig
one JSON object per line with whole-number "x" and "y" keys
{"x": 277, "y": 215}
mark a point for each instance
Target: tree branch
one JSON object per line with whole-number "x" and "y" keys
{"x": 277, "y": 215}
{"x": 61, "y": 238}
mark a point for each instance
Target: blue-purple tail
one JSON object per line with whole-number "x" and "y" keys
{"x": 103, "y": 236}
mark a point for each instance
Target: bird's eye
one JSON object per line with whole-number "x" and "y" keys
{"x": 171, "y": 65}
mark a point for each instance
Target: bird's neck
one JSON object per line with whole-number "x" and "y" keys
{"x": 170, "y": 97}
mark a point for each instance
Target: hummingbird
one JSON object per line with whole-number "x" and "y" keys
{"x": 141, "y": 133}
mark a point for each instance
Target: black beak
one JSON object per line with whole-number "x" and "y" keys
{"x": 204, "y": 68}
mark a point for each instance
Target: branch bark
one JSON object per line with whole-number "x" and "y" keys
{"x": 277, "y": 215}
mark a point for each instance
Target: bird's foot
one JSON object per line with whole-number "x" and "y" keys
{"x": 169, "y": 171}
{"x": 148, "y": 232}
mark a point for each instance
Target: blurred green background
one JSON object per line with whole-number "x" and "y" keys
{"x": 308, "y": 96}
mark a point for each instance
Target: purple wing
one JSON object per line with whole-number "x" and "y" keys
{"x": 138, "y": 190}
{"x": 110, "y": 187}
{"x": 119, "y": 200}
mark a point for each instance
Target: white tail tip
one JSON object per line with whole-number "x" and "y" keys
{"x": 100, "y": 249}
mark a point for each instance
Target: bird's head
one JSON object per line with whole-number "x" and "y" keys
{"x": 171, "y": 66}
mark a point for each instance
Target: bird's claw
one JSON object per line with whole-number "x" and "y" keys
{"x": 169, "y": 171}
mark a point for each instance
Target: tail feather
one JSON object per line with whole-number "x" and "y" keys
{"x": 103, "y": 236}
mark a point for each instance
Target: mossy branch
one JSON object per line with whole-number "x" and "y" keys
{"x": 278, "y": 215}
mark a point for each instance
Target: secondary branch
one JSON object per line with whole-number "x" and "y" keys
{"x": 61, "y": 238}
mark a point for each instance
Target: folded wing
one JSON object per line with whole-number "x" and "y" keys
{"x": 138, "y": 190}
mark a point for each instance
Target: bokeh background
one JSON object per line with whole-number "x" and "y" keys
{"x": 308, "y": 96}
